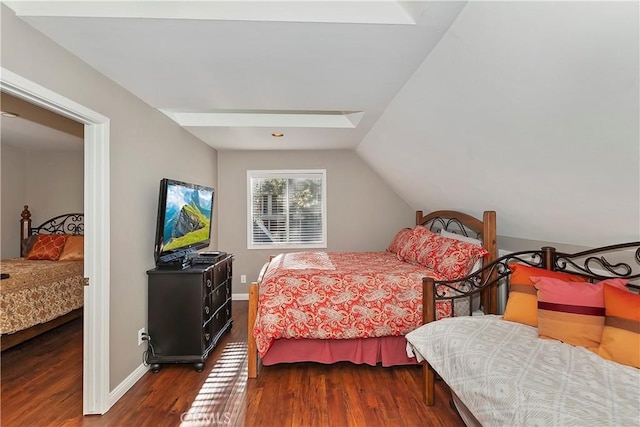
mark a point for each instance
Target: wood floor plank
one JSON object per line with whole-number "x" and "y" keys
{"x": 42, "y": 387}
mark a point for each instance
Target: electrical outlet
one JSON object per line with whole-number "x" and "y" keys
{"x": 141, "y": 333}
{"x": 243, "y": 279}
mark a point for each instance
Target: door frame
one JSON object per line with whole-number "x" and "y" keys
{"x": 95, "y": 370}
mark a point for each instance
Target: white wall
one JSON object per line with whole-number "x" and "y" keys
{"x": 527, "y": 108}
{"x": 55, "y": 183}
{"x": 50, "y": 182}
{"x": 363, "y": 213}
{"x": 145, "y": 146}
{"x": 13, "y": 198}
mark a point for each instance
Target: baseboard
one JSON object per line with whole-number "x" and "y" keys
{"x": 135, "y": 376}
{"x": 125, "y": 385}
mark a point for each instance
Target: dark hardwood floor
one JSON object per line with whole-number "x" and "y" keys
{"x": 42, "y": 386}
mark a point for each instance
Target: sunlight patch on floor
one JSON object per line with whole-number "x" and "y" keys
{"x": 221, "y": 397}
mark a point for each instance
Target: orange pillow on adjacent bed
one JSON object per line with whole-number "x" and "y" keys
{"x": 73, "y": 249}
{"x": 522, "y": 304}
{"x": 572, "y": 312}
{"x": 621, "y": 334}
{"x": 48, "y": 247}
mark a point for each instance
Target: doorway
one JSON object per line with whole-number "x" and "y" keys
{"x": 97, "y": 232}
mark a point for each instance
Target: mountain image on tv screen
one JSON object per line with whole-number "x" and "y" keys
{"x": 187, "y": 218}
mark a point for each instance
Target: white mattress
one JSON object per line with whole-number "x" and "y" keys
{"x": 507, "y": 376}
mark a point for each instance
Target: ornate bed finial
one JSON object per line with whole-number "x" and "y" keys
{"x": 25, "y": 213}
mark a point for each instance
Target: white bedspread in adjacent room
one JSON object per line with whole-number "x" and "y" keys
{"x": 507, "y": 376}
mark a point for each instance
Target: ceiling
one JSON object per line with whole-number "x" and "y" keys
{"x": 232, "y": 73}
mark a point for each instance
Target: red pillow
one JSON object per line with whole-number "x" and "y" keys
{"x": 450, "y": 257}
{"x": 399, "y": 241}
{"x": 409, "y": 252}
{"x": 48, "y": 247}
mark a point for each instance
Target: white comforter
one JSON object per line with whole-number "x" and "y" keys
{"x": 506, "y": 376}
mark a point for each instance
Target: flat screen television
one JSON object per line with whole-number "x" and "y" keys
{"x": 184, "y": 219}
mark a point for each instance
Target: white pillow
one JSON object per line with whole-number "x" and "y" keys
{"x": 464, "y": 238}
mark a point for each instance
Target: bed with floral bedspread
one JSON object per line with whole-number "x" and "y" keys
{"x": 38, "y": 291}
{"x": 44, "y": 288}
{"x": 329, "y": 307}
{"x": 338, "y": 295}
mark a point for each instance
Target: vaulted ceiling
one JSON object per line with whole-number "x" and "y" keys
{"x": 233, "y": 73}
{"x": 527, "y": 108}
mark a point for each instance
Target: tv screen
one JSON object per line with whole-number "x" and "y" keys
{"x": 184, "y": 218}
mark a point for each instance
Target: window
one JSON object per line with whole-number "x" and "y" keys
{"x": 287, "y": 209}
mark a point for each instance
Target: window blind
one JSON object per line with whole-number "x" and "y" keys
{"x": 287, "y": 209}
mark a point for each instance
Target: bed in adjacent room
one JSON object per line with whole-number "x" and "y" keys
{"x": 45, "y": 285}
{"x": 356, "y": 306}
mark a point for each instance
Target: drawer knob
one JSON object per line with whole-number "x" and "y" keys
{"x": 206, "y": 309}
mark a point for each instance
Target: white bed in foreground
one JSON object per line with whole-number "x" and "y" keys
{"x": 506, "y": 376}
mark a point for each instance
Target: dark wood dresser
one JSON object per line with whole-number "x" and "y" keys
{"x": 189, "y": 310}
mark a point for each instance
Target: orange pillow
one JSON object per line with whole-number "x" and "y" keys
{"x": 572, "y": 312}
{"x": 522, "y": 304}
{"x": 621, "y": 334}
{"x": 48, "y": 247}
{"x": 73, "y": 249}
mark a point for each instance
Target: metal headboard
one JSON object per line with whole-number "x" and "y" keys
{"x": 71, "y": 223}
{"x": 614, "y": 261}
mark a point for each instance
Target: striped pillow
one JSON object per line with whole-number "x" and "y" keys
{"x": 572, "y": 312}
{"x": 621, "y": 333}
{"x": 522, "y": 304}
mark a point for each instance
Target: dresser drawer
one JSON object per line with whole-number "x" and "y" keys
{"x": 207, "y": 336}
{"x": 220, "y": 272}
{"x": 218, "y": 320}
{"x": 207, "y": 281}
{"x": 218, "y": 296}
{"x": 207, "y": 309}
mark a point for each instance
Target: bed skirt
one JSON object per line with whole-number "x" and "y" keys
{"x": 388, "y": 351}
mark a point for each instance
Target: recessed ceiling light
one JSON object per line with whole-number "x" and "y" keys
{"x": 9, "y": 114}
{"x": 277, "y": 134}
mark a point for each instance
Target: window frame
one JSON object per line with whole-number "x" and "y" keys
{"x": 286, "y": 174}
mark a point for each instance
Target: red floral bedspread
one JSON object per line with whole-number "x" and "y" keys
{"x": 339, "y": 295}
